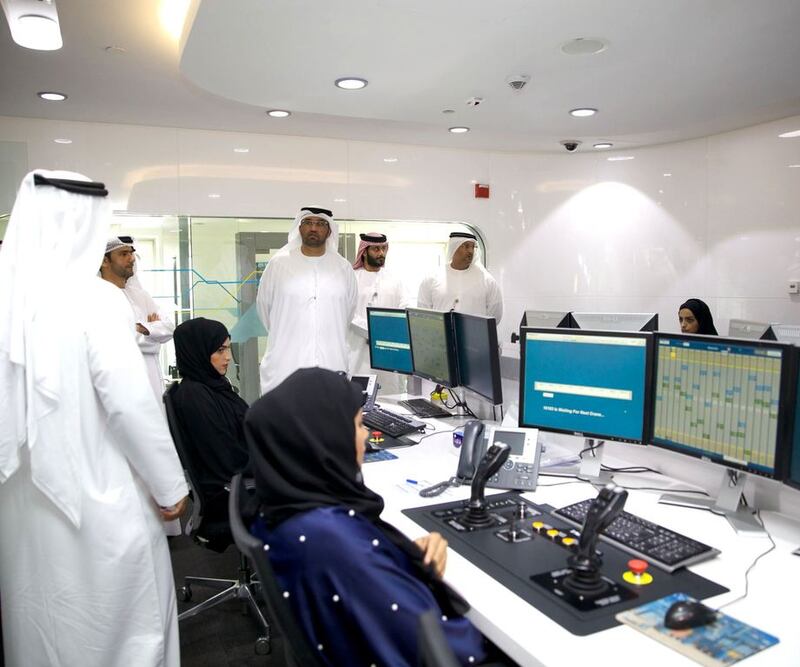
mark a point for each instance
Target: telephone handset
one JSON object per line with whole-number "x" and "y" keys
{"x": 473, "y": 448}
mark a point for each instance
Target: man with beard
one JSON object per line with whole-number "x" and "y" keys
{"x": 306, "y": 299}
{"x": 377, "y": 287}
{"x": 464, "y": 285}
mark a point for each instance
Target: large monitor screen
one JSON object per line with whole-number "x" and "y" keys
{"x": 478, "y": 356}
{"x": 793, "y": 475}
{"x": 750, "y": 330}
{"x": 389, "y": 342}
{"x": 722, "y": 400}
{"x": 431, "y": 334}
{"x": 588, "y": 383}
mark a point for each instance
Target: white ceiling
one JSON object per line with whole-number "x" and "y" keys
{"x": 673, "y": 69}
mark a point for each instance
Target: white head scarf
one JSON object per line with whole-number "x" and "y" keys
{"x": 332, "y": 242}
{"x": 456, "y": 241}
{"x": 53, "y": 235}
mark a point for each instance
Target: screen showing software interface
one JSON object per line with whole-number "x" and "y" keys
{"x": 794, "y": 472}
{"x": 391, "y": 349}
{"x": 585, "y": 384}
{"x": 429, "y": 340}
{"x": 718, "y": 400}
{"x": 514, "y": 439}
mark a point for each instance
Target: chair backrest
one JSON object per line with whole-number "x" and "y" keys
{"x": 298, "y": 649}
{"x": 196, "y": 519}
{"x": 434, "y": 651}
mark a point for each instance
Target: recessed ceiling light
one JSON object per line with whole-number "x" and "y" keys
{"x": 584, "y": 112}
{"x": 794, "y": 166}
{"x": 619, "y": 158}
{"x": 390, "y": 159}
{"x": 459, "y": 130}
{"x": 340, "y": 200}
{"x": 241, "y": 150}
{"x": 790, "y": 135}
{"x": 214, "y": 195}
{"x": 52, "y": 96}
{"x": 278, "y": 113}
{"x": 603, "y": 144}
{"x": 351, "y": 83}
{"x": 583, "y": 46}
{"x": 667, "y": 174}
{"x": 63, "y": 141}
{"x": 448, "y": 110}
{"x": 115, "y": 50}
{"x": 34, "y": 31}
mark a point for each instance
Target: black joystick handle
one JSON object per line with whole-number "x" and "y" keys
{"x": 495, "y": 457}
{"x": 585, "y": 564}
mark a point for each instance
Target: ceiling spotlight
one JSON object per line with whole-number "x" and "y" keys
{"x": 214, "y": 195}
{"x": 583, "y": 46}
{"x": 390, "y": 160}
{"x": 619, "y": 158}
{"x": 448, "y": 110}
{"x": 603, "y": 144}
{"x": 241, "y": 150}
{"x": 63, "y": 141}
{"x": 794, "y": 166}
{"x": 583, "y": 112}
{"x": 351, "y": 83}
{"x": 340, "y": 200}
{"x": 278, "y": 113}
{"x": 459, "y": 130}
{"x": 790, "y": 135}
{"x": 52, "y": 96}
{"x": 667, "y": 174}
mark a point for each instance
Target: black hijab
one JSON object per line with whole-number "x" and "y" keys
{"x": 210, "y": 413}
{"x": 702, "y": 314}
{"x": 302, "y": 446}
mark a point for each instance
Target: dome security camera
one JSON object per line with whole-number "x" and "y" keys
{"x": 571, "y": 145}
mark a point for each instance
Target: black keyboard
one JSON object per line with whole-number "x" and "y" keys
{"x": 660, "y": 546}
{"x": 391, "y": 423}
{"x": 424, "y": 408}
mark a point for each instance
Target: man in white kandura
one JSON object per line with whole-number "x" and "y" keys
{"x": 380, "y": 288}
{"x": 306, "y": 299}
{"x": 154, "y": 327}
{"x": 88, "y": 471}
{"x": 464, "y": 285}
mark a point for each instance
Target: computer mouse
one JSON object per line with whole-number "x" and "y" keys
{"x": 686, "y": 614}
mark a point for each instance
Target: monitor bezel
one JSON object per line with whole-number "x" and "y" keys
{"x": 785, "y": 405}
{"x": 452, "y": 381}
{"x": 494, "y": 358}
{"x": 369, "y": 341}
{"x": 650, "y": 326}
{"x": 647, "y": 336}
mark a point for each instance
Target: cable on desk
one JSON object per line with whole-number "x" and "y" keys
{"x": 592, "y": 448}
{"x": 752, "y": 565}
{"x": 630, "y": 469}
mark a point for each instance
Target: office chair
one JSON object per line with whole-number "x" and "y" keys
{"x": 215, "y": 535}
{"x": 299, "y": 652}
{"x": 434, "y": 651}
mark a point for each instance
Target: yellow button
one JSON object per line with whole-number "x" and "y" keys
{"x": 537, "y": 525}
{"x": 568, "y": 541}
{"x": 552, "y": 533}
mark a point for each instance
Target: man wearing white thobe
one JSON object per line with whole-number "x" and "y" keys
{"x": 306, "y": 299}
{"x": 88, "y": 471}
{"x": 154, "y": 327}
{"x": 464, "y": 285}
{"x": 378, "y": 287}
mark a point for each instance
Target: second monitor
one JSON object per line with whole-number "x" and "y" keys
{"x": 432, "y": 345}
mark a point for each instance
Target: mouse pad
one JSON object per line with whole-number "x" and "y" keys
{"x": 723, "y": 642}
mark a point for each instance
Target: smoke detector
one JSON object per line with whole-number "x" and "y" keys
{"x": 474, "y": 101}
{"x": 518, "y": 81}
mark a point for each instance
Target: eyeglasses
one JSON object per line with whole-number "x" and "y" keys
{"x": 322, "y": 224}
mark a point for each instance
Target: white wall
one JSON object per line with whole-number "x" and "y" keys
{"x": 563, "y": 231}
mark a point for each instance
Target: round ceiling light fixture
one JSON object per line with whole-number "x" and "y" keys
{"x": 351, "y": 83}
{"x": 603, "y": 144}
{"x": 34, "y": 31}
{"x": 52, "y": 96}
{"x": 584, "y": 46}
{"x": 582, "y": 112}
{"x": 241, "y": 150}
{"x": 790, "y": 135}
{"x": 458, "y": 130}
{"x": 63, "y": 141}
{"x": 278, "y": 113}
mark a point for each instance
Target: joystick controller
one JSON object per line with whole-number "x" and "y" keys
{"x": 585, "y": 578}
{"x": 477, "y": 514}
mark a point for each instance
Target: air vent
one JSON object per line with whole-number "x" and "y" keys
{"x": 518, "y": 81}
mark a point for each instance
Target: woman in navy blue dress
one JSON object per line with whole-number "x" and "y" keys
{"x": 356, "y": 584}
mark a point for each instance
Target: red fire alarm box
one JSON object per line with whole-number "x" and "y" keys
{"x": 481, "y": 191}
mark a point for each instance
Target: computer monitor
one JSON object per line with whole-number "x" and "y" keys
{"x": 478, "y": 356}
{"x": 389, "y": 341}
{"x": 587, "y": 383}
{"x": 432, "y": 345}
{"x": 726, "y": 401}
{"x": 792, "y": 477}
{"x": 787, "y": 333}
{"x": 750, "y": 330}
{"x": 615, "y": 321}
{"x": 546, "y": 318}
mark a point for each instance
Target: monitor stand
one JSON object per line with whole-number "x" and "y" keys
{"x": 590, "y": 467}
{"x": 728, "y": 503}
